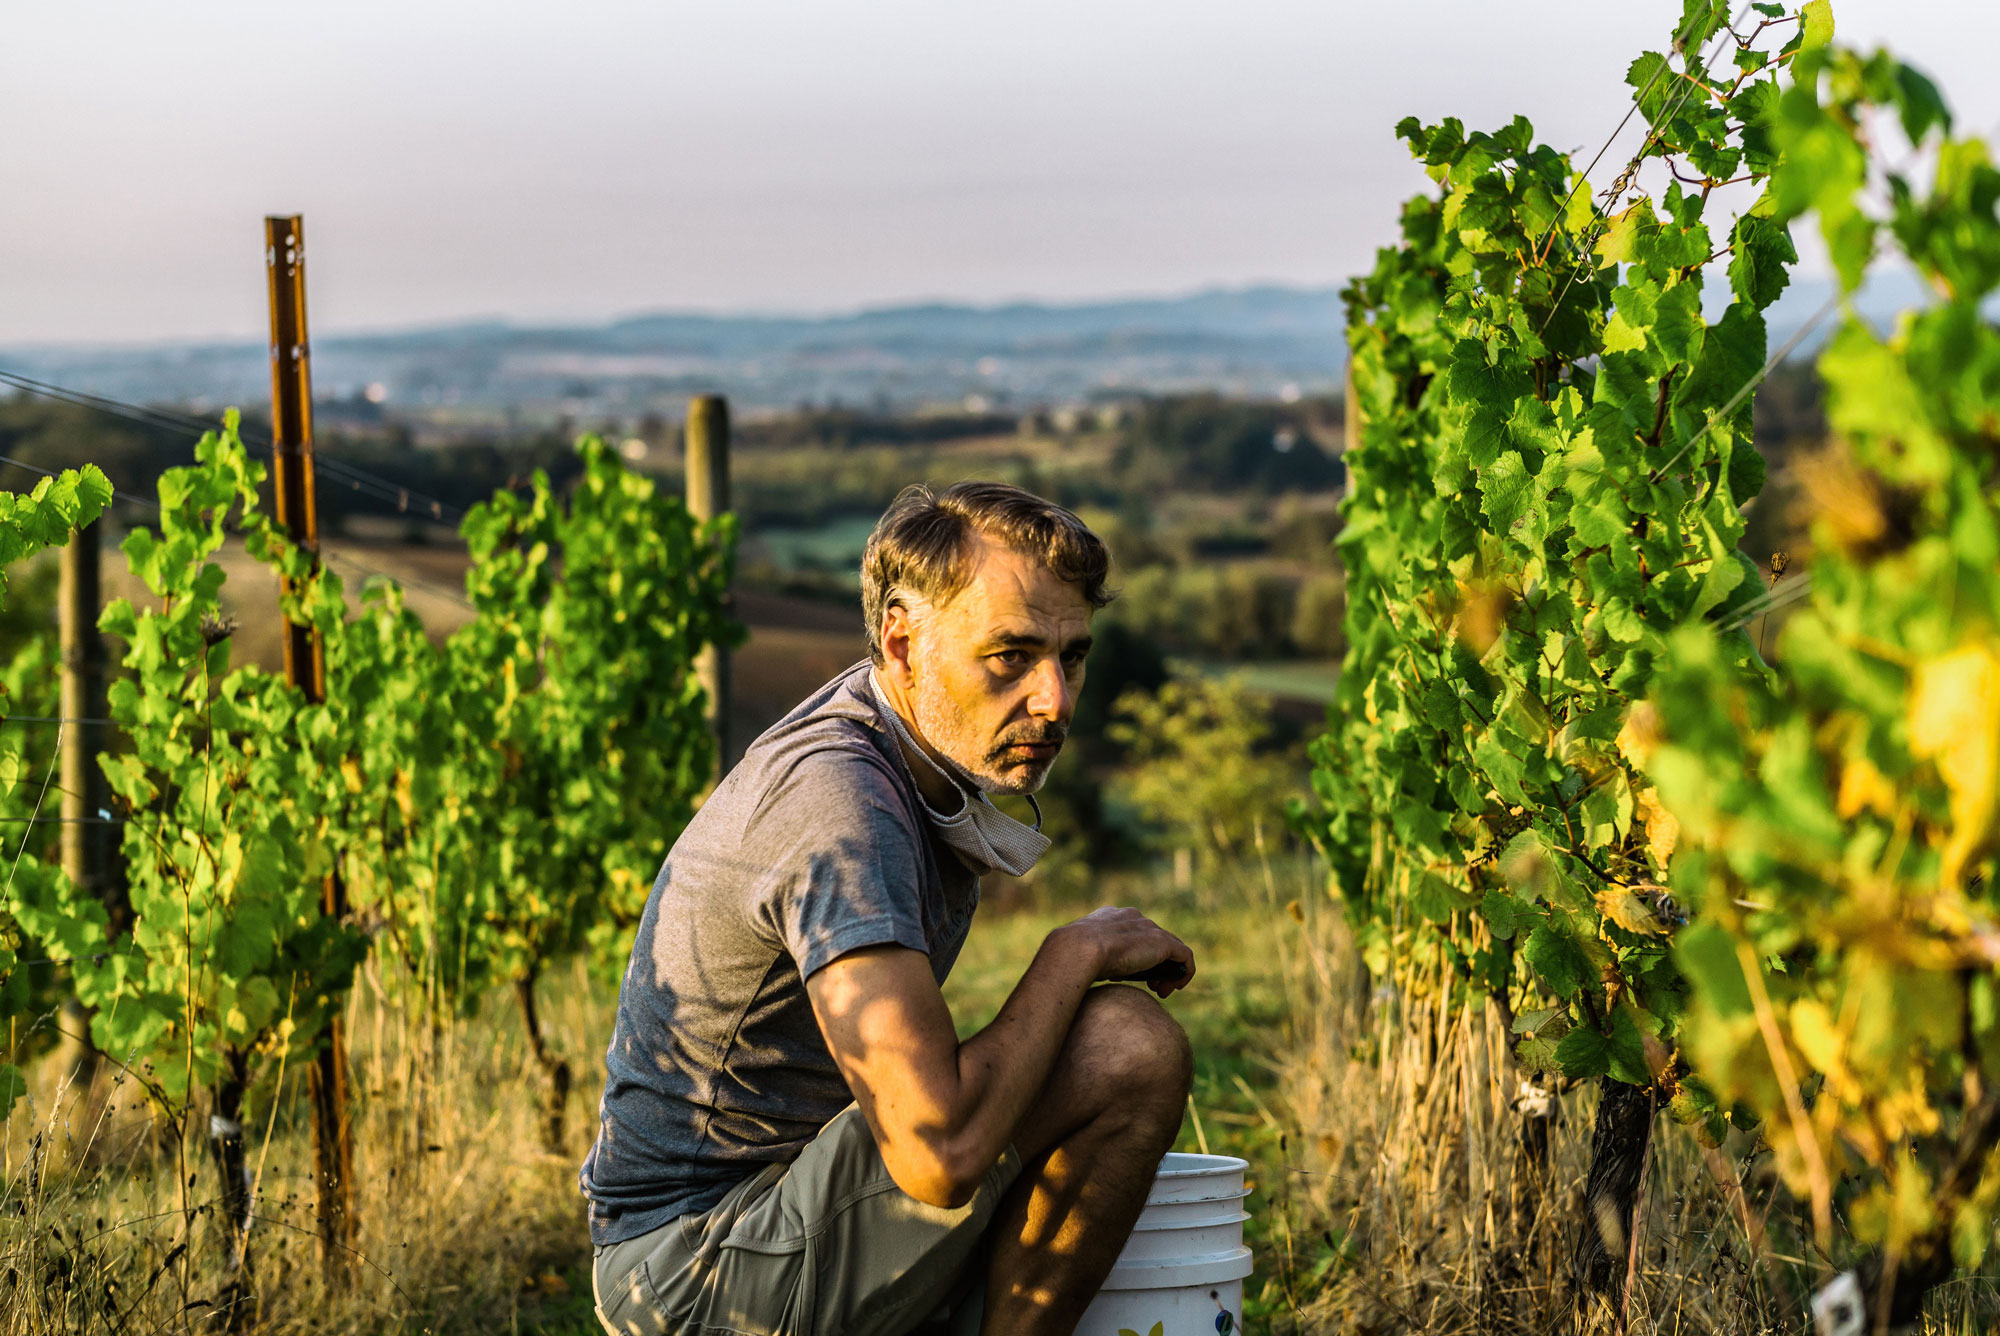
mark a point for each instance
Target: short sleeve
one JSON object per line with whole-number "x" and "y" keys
{"x": 845, "y": 869}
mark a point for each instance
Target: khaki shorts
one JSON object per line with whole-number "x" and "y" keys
{"x": 827, "y": 1245}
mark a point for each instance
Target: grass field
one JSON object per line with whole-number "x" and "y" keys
{"x": 1389, "y": 1193}
{"x": 465, "y": 1224}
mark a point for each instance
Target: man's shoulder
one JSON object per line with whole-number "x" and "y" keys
{"x": 833, "y": 750}
{"x": 829, "y": 760}
{"x": 820, "y": 796}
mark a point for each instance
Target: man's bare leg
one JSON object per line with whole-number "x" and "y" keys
{"x": 1089, "y": 1150}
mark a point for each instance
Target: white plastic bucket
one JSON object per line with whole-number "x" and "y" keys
{"x": 1182, "y": 1270}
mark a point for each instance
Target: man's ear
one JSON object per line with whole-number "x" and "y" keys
{"x": 898, "y": 627}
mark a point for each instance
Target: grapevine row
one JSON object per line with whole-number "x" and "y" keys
{"x": 1560, "y": 780}
{"x": 492, "y": 802}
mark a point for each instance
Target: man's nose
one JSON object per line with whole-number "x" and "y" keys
{"x": 1049, "y": 696}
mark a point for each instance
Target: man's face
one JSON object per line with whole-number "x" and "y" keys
{"x": 996, "y": 670}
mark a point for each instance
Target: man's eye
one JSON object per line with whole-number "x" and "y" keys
{"x": 1013, "y": 658}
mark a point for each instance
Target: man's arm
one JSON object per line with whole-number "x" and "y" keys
{"x": 942, "y": 1111}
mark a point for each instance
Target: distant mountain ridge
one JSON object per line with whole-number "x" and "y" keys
{"x": 1264, "y": 341}
{"x": 1253, "y": 313}
{"x": 1258, "y": 341}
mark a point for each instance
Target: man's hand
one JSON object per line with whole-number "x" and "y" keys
{"x": 1133, "y": 948}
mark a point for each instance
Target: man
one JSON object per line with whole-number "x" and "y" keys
{"x": 793, "y": 1139}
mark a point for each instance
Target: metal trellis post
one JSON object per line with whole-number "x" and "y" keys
{"x": 305, "y": 668}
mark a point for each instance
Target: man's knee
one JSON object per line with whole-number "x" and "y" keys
{"x": 1124, "y": 1036}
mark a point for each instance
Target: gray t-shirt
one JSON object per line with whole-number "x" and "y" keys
{"x": 813, "y": 846}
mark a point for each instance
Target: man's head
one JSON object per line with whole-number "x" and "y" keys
{"x": 978, "y": 601}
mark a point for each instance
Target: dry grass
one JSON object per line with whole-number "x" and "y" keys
{"x": 109, "y": 1212}
{"x": 1383, "y": 1142}
{"x": 1419, "y": 1212}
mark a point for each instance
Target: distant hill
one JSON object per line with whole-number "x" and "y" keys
{"x": 1259, "y": 342}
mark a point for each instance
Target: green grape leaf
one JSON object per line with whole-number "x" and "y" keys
{"x": 1652, "y": 81}
{"x": 1601, "y": 522}
{"x": 1732, "y": 356}
{"x": 1761, "y": 267}
{"x": 1437, "y": 900}
{"x": 1920, "y": 104}
{"x": 1558, "y": 960}
{"x": 1707, "y": 955}
{"x": 1507, "y": 915}
{"x": 1506, "y": 491}
{"x": 1583, "y": 1052}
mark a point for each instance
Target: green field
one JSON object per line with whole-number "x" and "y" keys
{"x": 1283, "y": 679}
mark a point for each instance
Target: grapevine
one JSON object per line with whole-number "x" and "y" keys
{"x": 1559, "y": 778}
{"x": 492, "y": 802}
{"x": 43, "y": 518}
{"x": 1840, "y": 817}
{"x": 1553, "y": 463}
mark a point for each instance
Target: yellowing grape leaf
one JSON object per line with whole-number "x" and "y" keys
{"x": 1663, "y": 831}
{"x": 1615, "y": 246}
{"x": 1863, "y": 788}
{"x": 1628, "y": 911}
{"x": 1817, "y": 1037}
{"x": 1955, "y": 720}
{"x": 1640, "y": 735}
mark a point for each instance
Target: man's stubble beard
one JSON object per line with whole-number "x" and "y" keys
{"x": 946, "y": 727}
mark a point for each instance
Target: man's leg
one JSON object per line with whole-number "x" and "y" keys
{"x": 824, "y": 1246}
{"x": 1089, "y": 1148}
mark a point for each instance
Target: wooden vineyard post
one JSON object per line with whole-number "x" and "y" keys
{"x": 305, "y": 668}
{"x": 708, "y": 497}
{"x": 88, "y": 835}
{"x": 86, "y": 794}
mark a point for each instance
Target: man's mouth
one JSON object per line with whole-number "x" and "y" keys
{"x": 1035, "y": 751}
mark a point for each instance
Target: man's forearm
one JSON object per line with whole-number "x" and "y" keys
{"x": 1002, "y": 1068}
{"x": 942, "y": 1111}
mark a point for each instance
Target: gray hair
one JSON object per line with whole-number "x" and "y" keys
{"x": 918, "y": 556}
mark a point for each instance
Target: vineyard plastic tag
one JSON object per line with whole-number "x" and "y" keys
{"x": 1838, "y": 1310}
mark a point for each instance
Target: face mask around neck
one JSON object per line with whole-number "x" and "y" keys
{"x": 985, "y": 838}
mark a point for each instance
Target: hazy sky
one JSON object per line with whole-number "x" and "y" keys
{"x": 595, "y": 157}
